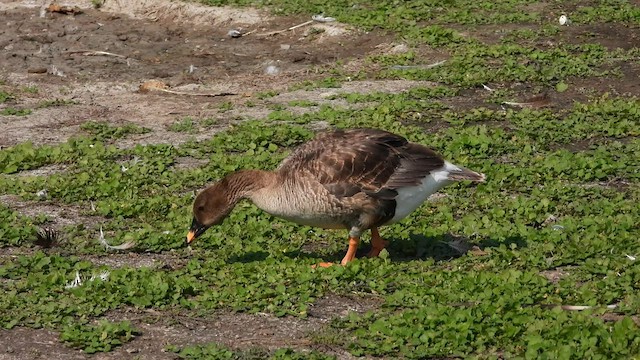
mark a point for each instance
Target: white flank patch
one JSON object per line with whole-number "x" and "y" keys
{"x": 410, "y": 198}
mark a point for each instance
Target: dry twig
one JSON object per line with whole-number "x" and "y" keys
{"x": 287, "y": 29}
{"x": 537, "y": 101}
{"x": 95, "y": 53}
{"x": 155, "y": 85}
{"x": 424, "y": 66}
{"x": 579, "y": 307}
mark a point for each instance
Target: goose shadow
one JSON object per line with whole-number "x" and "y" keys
{"x": 443, "y": 247}
{"x": 248, "y": 257}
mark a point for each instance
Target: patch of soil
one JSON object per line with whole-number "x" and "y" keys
{"x": 173, "y": 43}
{"x": 27, "y": 344}
{"x": 235, "y": 330}
{"x": 610, "y": 35}
{"x": 58, "y": 215}
{"x": 186, "y": 162}
{"x": 587, "y": 144}
{"x": 159, "y": 329}
{"x": 468, "y": 99}
{"x": 185, "y": 13}
{"x": 332, "y": 306}
{"x": 239, "y": 330}
{"x": 616, "y": 184}
{"x": 176, "y": 43}
{"x": 325, "y": 96}
{"x": 613, "y": 317}
{"x": 43, "y": 171}
{"x": 622, "y": 82}
{"x": 555, "y": 275}
{"x": 167, "y": 261}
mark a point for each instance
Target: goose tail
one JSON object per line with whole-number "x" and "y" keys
{"x": 458, "y": 173}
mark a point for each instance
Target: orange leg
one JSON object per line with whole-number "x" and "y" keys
{"x": 351, "y": 253}
{"x": 377, "y": 243}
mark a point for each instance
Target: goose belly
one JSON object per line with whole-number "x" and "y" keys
{"x": 302, "y": 207}
{"x": 410, "y": 198}
{"x": 316, "y": 220}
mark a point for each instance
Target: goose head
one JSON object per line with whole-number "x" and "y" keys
{"x": 214, "y": 203}
{"x": 210, "y": 208}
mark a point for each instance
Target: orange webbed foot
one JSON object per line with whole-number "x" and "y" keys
{"x": 351, "y": 254}
{"x": 377, "y": 243}
{"x": 322, "y": 265}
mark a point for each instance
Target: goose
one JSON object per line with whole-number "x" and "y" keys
{"x": 355, "y": 179}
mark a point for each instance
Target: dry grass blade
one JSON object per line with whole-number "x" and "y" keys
{"x": 425, "y": 66}
{"x": 46, "y": 237}
{"x": 155, "y": 85}
{"x": 535, "y": 102}
{"x": 77, "y": 281}
{"x": 104, "y": 276}
{"x": 53, "y": 70}
{"x": 288, "y": 29}
{"x": 579, "y": 307}
{"x": 95, "y": 53}
{"x": 323, "y": 19}
{"x": 125, "y": 246}
{"x": 549, "y": 306}
{"x": 248, "y": 33}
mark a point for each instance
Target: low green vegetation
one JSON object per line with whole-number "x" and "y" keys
{"x": 100, "y": 338}
{"x": 226, "y": 106}
{"x": 5, "y": 96}
{"x": 546, "y": 207}
{"x": 10, "y": 111}
{"x": 187, "y": 125}
{"x": 302, "y": 103}
{"x": 55, "y": 103}
{"x": 31, "y": 89}
{"x": 216, "y": 352}
{"x": 478, "y": 273}
{"x": 101, "y": 130}
{"x": 191, "y": 126}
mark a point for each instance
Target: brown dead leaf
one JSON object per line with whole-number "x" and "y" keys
{"x": 476, "y": 251}
{"x": 151, "y": 85}
{"x": 63, "y": 9}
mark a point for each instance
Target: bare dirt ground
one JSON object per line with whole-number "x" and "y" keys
{"x": 159, "y": 329}
{"x": 54, "y": 53}
{"x": 186, "y": 47}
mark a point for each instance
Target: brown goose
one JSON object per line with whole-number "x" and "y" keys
{"x": 346, "y": 179}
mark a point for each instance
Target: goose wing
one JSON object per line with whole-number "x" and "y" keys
{"x": 347, "y": 162}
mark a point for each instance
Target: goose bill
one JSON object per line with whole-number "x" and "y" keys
{"x": 196, "y": 230}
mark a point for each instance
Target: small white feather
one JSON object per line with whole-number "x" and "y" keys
{"x": 125, "y": 246}
{"x": 75, "y": 283}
